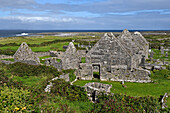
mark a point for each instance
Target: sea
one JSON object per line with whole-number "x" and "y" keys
{"x": 13, "y": 33}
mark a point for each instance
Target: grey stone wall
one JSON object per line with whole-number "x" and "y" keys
{"x": 6, "y": 62}
{"x": 54, "y": 53}
{"x": 53, "y": 62}
{"x": 24, "y": 54}
{"x": 94, "y": 89}
{"x": 81, "y": 53}
{"x": 41, "y": 54}
{"x": 108, "y": 51}
{"x": 141, "y": 43}
{"x": 5, "y": 56}
{"x": 70, "y": 58}
{"x": 60, "y": 55}
{"x": 85, "y": 71}
{"x": 137, "y": 75}
{"x": 118, "y": 58}
{"x": 128, "y": 42}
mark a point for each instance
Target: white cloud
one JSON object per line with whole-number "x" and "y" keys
{"x": 38, "y": 19}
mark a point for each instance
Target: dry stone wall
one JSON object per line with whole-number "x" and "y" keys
{"x": 70, "y": 59}
{"x": 85, "y": 71}
{"x": 94, "y": 89}
{"x": 53, "y": 62}
{"x": 25, "y": 55}
{"x": 41, "y": 54}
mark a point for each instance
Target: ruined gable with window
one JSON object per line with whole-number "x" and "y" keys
{"x": 116, "y": 59}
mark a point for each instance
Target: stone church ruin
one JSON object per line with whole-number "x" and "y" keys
{"x": 117, "y": 58}
{"x": 120, "y": 58}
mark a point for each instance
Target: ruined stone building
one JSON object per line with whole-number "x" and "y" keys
{"x": 69, "y": 59}
{"x": 24, "y": 54}
{"x": 113, "y": 58}
{"x": 117, "y": 58}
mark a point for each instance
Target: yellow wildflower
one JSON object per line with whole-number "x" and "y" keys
{"x": 16, "y": 108}
{"x": 23, "y": 108}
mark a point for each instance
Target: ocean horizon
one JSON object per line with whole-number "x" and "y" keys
{"x": 13, "y": 33}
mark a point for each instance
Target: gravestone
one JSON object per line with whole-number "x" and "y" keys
{"x": 166, "y": 54}
{"x": 24, "y": 54}
{"x": 151, "y": 54}
{"x": 162, "y": 50}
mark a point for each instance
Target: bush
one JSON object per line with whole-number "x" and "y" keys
{"x": 71, "y": 92}
{"x": 160, "y": 74}
{"x": 122, "y": 103}
{"x": 21, "y": 69}
{"x": 13, "y": 99}
{"x": 7, "y": 51}
{"x": 72, "y": 76}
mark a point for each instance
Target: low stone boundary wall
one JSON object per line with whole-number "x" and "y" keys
{"x": 136, "y": 75}
{"x": 163, "y": 100}
{"x": 52, "y": 62}
{"x": 41, "y": 54}
{"x": 6, "y": 62}
{"x": 94, "y": 89}
{"x": 5, "y": 56}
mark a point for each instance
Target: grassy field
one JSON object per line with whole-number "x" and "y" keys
{"x": 40, "y": 44}
{"x": 160, "y": 85}
{"x": 157, "y": 55}
{"x": 135, "y": 89}
{"x": 33, "y": 80}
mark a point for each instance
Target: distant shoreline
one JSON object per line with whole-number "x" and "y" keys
{"x": 14, "y": 33}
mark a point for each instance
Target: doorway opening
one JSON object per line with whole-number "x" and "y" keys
{"x": 96, "y": 71}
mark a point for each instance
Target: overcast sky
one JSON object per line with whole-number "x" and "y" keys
{"x": 85, "y": 14}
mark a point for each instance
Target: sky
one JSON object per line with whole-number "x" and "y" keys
{"x": 85, "y": 14}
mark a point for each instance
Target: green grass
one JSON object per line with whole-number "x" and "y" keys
{"x": 30, "y": 81}
{"x": 79, "y": 107}
{"x": 157, "y": 55}
{"x": 9, "y": 59}
{"x": 58, "y": 60}
{"x": 55, "y": 46}
{"x": 42, "y": 59}
{"x": 83, "y": 60}
{"x": 31, "y": 40}
{"x": 134, "y": 89}
{"x": 159, "y": 87}
{"x": 51, "y": 42}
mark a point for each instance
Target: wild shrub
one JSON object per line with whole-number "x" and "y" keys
{"x": 122, "y": 104}
{"x": 21, "y": 69}
{"x": 71, "y": 92}
{"x": 72, "y": 76}
{"x": 7, "y": 51}
{"x": 160, "y": 74}
{"x": 13, "y": 99}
